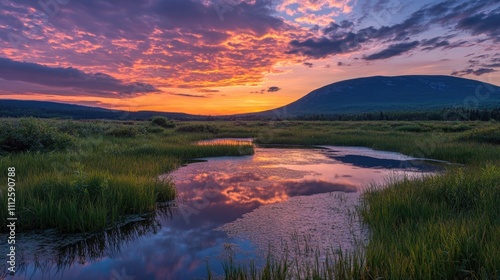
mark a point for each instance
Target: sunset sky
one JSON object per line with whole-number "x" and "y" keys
{"x": 233, "y": 56}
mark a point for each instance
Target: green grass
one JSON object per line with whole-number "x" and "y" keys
{"x": 101, "y": 178}
{"x": 441, "y": 227}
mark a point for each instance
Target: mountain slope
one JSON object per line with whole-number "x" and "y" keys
{"x": 398, "y": 93}
{"x": 45, "y": 109}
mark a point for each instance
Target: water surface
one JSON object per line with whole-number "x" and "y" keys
{"x": 237, "y": 205}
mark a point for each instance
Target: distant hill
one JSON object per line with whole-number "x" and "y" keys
{"x": 44, "y": 109}
{"x": 391, "y": 94}
{"x": 418, "y": 93}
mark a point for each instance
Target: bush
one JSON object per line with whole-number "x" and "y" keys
{"x": 163, "y": 122}
{"x": 82, "y": 129}
{"x": 411, "y": 128}
{"x": 456, "y": 128}
{"x": 123, "y": 131}
{"x": 32, "y": 135}
{"x": 486, "y": 135}
{"x": 198, "y": 128}
{"x": 153, "y": 129}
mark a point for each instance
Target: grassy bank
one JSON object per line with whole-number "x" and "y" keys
{"x": 104, "y": 170}
{"x": 86, "y": 175}
{"x": 441, "y": 227}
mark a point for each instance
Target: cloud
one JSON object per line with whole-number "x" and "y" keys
{"x": 308, "y": 64}
{"x": 455, "y": 16}
{"x": 208, "y": 90}
{"x": 262, "y": 91}
{"x": 434, "y": 43}
{"x": 393, "y": 50}
{"x": 338, "y": 40}
{"x": 482, "y": 23}
{"x": 269, "y": 89}
{"x": 169, "y": 43}
{"x": 188, "y": 95}
{"x": 68, "y": 77}
{"x": 334, "y": 28}
{"x": 325, "y": 46}
{"x": 314, "y": 12}
{"x": 477, "y": 72}
{"x": 273, "y": 89}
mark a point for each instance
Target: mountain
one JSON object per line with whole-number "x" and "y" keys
{"x": 45, "y": 109}
{"x": 391, "y": 94}
{"x": 356, "y": 96}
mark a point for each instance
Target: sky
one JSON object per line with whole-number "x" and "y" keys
{"x": 217, "y": 57}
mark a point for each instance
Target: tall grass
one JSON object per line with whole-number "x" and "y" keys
{"x": 442, "y": 227}
{"x": 101, "y": 178}
{"x": 304, "y": 262}
{"x": 437, "y": 227}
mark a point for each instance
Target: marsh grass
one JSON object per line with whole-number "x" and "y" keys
{"x": 441, "y": 227}
{"x": 102, "y": 178}
{"x": 436, "y": 227}
{"x": 305, "y": 261}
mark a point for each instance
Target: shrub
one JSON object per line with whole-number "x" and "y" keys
{"x": 82, "y": 129}
{"x": 163, "y": 122}
{"x": 200, "y": 128}
{"x": 153, "y": 129}
{"x": 121, "y": 131}
{"x": 411, "y": 128}
{"x": 32, "y": 135}
{"x": 485, "y": 135}
{"x": 456, "y": 128}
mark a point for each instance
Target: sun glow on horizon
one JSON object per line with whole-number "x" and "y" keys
{"x": 253, "y": 56}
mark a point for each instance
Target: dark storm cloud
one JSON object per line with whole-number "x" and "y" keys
{"x": 393, "y": 50}
{"x": 99, "y": 83}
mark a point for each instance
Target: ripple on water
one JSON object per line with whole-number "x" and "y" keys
{"x": 326, "y": 220}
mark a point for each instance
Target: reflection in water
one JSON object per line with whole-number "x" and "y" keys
{"x": 244, "y": 201}
{"x": 48, "y": 252}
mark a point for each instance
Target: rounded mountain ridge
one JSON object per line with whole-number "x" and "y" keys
{"x": 394, "y": 93}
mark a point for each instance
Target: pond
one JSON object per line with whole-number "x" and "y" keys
{"x": 238, "y": 205}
